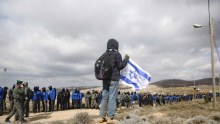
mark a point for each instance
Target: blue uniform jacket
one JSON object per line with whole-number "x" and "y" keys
{"x": 1, "y": 93}
{"x": 36, "y": 96}
{"x": 154, "y": 98}
{"x": 137, "y": 96}
{"x": 75, "y": 96}
{"x": 44, "y": 96}
{"x": 131, "y": 98}
{"x": 52, "y": 94}
{"x": 171, "y": 98}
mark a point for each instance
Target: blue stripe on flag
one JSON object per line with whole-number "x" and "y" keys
{"x": 140, "y": 71}
{"x": 129, "y": 82}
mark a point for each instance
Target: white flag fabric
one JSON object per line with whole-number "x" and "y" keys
{"x": 134, "y": 76}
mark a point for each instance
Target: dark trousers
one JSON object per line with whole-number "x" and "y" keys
{"x": 63, "y": 105}
{"x": 44, "y": 104}
{"x": 68, "y": 104}
{"x": 34, "y": 106}
{"x": 26, "y": 108}
{"x": 11, "y": 104}
{"x": 1, "y": 107}
{"x": 79, "y": 104}
{"x": 87, "y": 105}
{"x": 18, "y": 107}
{"x": 74, "y": 104}
{"x": 4, "y": 106}
{"x": 38, "y": 105}
{"x": 60, "y": 104}
{"x": 51, "y": 105}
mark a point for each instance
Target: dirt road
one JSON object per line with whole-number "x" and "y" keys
{"x": 45, "y": 117}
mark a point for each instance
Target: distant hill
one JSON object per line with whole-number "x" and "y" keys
{"x": 184, "y": 83}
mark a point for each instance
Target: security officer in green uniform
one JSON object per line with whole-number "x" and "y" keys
{"x": 93, "y": 100}
{"x": 88, "y": 100}
{"x": 18, "y": 95}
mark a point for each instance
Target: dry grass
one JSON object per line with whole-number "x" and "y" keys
{"x": 199, "y": 119}
{"x": 193, "y": 112}
{"x": 133, "y": 119}
{"x": 215, "y": 116}
{"x": 80, "y": 118}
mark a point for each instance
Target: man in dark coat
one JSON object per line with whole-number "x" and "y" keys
{"x": 110, "y": 87}
{"x": 67, "y": 99}
{"x": 10, "y": 96}
{"x": 5, "y": 94}
{"x": 28, "y": 96}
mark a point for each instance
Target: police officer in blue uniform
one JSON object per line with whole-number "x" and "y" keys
{"x": 1, "y": 100}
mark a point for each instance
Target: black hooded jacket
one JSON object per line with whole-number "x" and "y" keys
{"x": 116, "y": 61}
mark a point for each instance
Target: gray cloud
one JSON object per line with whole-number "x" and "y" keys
{"x": 57, "y": 42}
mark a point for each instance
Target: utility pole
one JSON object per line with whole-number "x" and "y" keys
{"x": 211, "y": 32}
{"x": 212, "y": 61}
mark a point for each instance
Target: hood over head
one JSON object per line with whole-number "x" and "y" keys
{"x": 112, "y": 44}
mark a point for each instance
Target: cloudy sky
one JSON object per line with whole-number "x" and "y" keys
{"x": 56, "y": 42}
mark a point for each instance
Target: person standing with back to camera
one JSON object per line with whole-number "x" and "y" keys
{"x": 110, "y": 87}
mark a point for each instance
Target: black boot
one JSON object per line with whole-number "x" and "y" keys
{"x": 23, "y": 121}
{"x": 7, "y": 120}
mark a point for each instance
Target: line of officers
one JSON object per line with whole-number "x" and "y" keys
{"x": 19, "y": 98}
{"x": 129, "y": 99}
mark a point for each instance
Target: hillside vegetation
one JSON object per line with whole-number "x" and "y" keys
{"x": 193, "y": 112}
{"x": 184, "y": 83}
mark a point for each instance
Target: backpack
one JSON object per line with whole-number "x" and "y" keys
{"x": 103, "y": 66}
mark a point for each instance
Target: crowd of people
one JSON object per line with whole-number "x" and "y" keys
{"x": 130, "y": 99}
{"x": 43, "y": 100}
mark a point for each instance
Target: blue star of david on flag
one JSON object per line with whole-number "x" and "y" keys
{"x": 134, "y": 76}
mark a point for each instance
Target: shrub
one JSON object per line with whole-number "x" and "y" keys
{"x": 133, "y": 119}
{"x": 215, "y": 116}
{"x": 199, "y": 119}
{"x": 178, "y": 120}
{"x": 168, "y": 120}
{"x": 80, "y": 118}
{"x": 163, "y": 120}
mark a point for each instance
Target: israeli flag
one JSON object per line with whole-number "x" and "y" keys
{"x": 134, "y": 76}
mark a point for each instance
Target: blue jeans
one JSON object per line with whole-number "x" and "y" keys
{"x": 108, "y": 103}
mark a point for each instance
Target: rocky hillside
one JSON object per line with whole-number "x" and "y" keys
{"x": 184, "y": 83}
